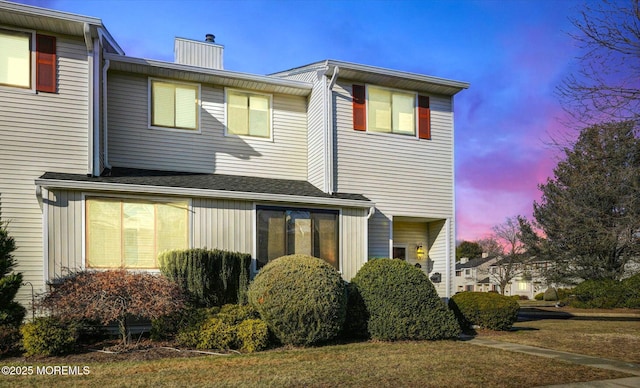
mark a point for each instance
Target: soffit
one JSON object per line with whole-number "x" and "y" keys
{"x": 41, "y": 19}
{"x": 210, "y": 76}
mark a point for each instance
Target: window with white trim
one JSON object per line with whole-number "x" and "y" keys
{"x": 248, "y": 114}
{"x": 174, "y": 104}
{"x": 391, "y": 111}
{"x": 127, "y": 233}
{"x": 285, "y": 231}
{"x": 22, "y": 52}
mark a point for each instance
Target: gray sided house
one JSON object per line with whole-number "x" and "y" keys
{"x": 108, "y": 160}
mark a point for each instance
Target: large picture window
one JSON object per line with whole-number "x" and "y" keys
{"x": 248, "y": 114}
{"x": 124, "y": 233}
{"x": 305, "y": 231}
{"x": 174, "y": 105}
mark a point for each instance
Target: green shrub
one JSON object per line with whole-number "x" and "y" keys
{"x": 233, "y": 314}
{"x": 484, "y": 309}
{"x": 551, "y": 294}
{"x": 539, "y": 296}
{"x": 210, "y": 277}
{"x": 48, "y": 336}
{"x": 301, "y": 298}
{"x": 168, "y": 326}
{"x": 632, "y": 291}
{"x": 252, "y": 335}
{"x": 355, "y": 324}
{"x": 598, "y": 294}
{"x": 401, "y": 302}
{"x": 9, "y": 339}
{"x": 215, "y": 334}
{"x": 11, "y": 312}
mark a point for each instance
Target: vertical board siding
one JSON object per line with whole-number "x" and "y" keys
{"x": 64, "y": 232}
{"x": 353, "y": 228}
{"x": 132, "y": 144}
{"x": 223, "y": 224}
{"x": 378, "y": 240}
{"x": 41, "y": 132}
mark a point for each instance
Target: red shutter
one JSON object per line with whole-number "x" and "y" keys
{"x": 46, "y": 63}
{"x": 359, "y": 108}
{"x": 424, "y": 118}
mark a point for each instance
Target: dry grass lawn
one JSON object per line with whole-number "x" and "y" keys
{"x": 613, "y": 339}
{"x": 399, "y": 364}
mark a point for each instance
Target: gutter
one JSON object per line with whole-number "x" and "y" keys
{"x": 329, "y": 133}
{"x": 200, "y": 193}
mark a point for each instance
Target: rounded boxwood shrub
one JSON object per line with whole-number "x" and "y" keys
{"x": 48, "y": 336}
{"x": 484, "y": 309}
{"x": 551, "y": 294}
{"x": 539, "y": 296}
{"x": 301, "y": 298}
{"x": 401, "y": 303}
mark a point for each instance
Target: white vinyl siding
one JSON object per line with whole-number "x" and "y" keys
{"x": 173, "y": 104}
{"x": 41, "y": 132}
{"x": 15, "y": 58}
{"x": 131, "y": 144}
{"x": 402, "y": 175}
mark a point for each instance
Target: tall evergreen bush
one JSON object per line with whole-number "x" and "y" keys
{"x": 211, "y": 277}
{"x": 11, "y": 312}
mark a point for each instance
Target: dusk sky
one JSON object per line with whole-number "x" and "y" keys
{"x": 513, "y": 53}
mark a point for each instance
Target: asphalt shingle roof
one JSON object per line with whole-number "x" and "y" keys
{"x": 237, "y": 183}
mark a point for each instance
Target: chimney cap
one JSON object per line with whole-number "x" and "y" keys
{"x": 210, "y": 38}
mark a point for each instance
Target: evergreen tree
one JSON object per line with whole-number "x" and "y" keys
{"x": 590, "y": 210}
{"x": 11, "y": 312}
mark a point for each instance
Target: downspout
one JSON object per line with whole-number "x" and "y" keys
{"x": 448, "y": 259}
{"x": 330, "y": 187}
{"x": 96, "y": 108}
{"x": 105, "y": 68}
{"x": 104, "y": 104}
{"x": 88, "y": 41}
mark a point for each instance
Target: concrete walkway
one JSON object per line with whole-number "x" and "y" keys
{"x": 595, "y": 362}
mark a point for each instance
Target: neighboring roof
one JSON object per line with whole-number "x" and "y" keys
{"x": 475, "y": 262}
{"x": 44, "y": 19}
{"x": 381, "y": 76}
{"x": 484, "y": 281}
{"x": 215, "y": 76}
{"x": 202, "y": 185}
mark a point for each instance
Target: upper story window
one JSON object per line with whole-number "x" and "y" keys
{"x": 377, "y": 109}
{"x": 17, "y": 60}
{"x": 174, "y": 104}
{"x": 124, "y": 233}
{"x": 248, "y": 114}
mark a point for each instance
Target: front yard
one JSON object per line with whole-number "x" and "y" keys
{"x": 406, "y": 363}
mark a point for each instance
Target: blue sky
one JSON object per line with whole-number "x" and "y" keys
{"x": 513, "y": 53}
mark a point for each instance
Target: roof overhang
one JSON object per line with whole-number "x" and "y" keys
{"x": 383, "y": 77}
{"x": 43, "y": 19}
{"x": 199, "y": 193}
{"x": 226, "y": 78}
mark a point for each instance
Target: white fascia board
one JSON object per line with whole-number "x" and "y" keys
{"x": 200, "y": 193}
{"x": 307, "y": 86}
{"x": 38, "y": 11}
{"x": 397, "y": 73}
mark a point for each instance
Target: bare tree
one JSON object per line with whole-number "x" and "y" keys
{"x": 607, "y": 85}
{"x": 512, "y": 263}
{"x": 491, "y": 246}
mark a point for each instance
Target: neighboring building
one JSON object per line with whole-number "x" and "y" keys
{"x": 473, "y": 274}
{"x": 109, "y": 159}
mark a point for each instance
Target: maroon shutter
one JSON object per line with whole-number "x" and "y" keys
{"x": 46, "y": 63}
{"x": 424, "y": 118}
{"x": 359, "y": 108}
